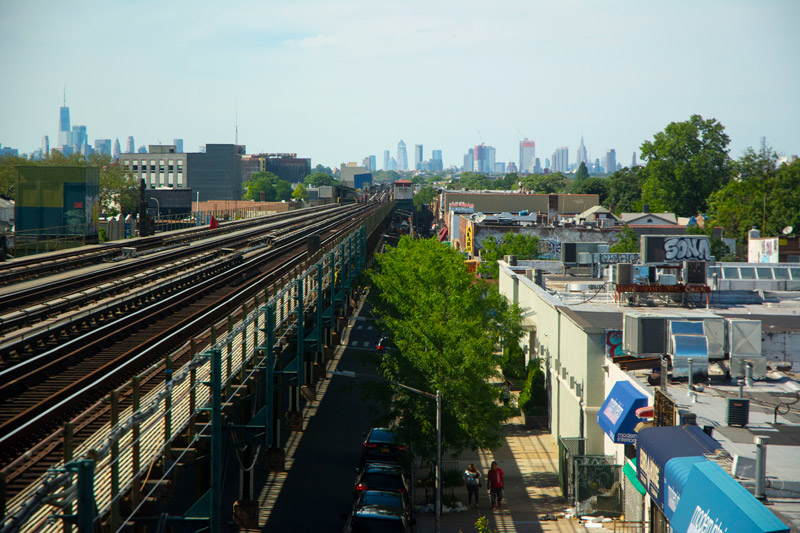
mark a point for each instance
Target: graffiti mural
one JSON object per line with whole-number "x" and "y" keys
{"x": 667, "y": 249}
{"x": 549, "y": 249}
{"x": 614, "y": 343}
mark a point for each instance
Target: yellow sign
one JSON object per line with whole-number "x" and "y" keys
{"x": 468, "y": 244}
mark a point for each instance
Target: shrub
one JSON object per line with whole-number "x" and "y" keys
{"x": 513, "y": 362}
{"x": 533, "y": 397}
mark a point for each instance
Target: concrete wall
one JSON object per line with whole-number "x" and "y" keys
{"x": 782, "y": 347}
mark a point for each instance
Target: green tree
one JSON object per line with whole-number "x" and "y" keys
{"x": 283, "y": 190}
{"x": 554, "y": 182}
{"x": 322, "y": 169}
{"x": 598, "y": 186}
{"x": 385, "y": 176}
{"x": 300, "y": 193}
{"x": 472, "y": 181}
{"x": 424, "y": 197}
{"x": 261, "y": 182}
{"x": 519, "y": 244}
{"x": 582, "y": 174}
{"x": 8, "y": 173}
{"x": 446, "y": 326}
{"x": 628, "y": 242}
{"x": 686, "y": 163}
{"x": 319, "y": 179}
{"x": 625, "y": 191}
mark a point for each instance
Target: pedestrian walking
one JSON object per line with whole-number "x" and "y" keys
{"x": 505, "y": 394}
{"x": 472, "y": 479}
{"x": 495, "y": 483}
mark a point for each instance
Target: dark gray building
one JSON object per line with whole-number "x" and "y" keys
{"x": 217, "y": 173}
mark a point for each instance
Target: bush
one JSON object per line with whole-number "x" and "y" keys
{"x": 533, "y": 397}
{"x": 513, "y": 362}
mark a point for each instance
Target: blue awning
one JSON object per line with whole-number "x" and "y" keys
{"x": 657, "y": 445}
{"x": 675, "y": 475}
{"x": 713, "y": 501}
{"x": 617, "y": 415}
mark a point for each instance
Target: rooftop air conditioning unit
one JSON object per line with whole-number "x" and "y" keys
{"x": 694, "y": 272}
{"x": 739, "y": 366}
{"x": 667, "y": 279}
{"x": 607, "y": 223}
{"x": 685, "y": 347}
{"x": 584, "y": 258}
{"x": 644, "y": 335}
{"x": 738, "y": 411}
{"x": 569, "y": 253}
{"x": 624, "y": 274}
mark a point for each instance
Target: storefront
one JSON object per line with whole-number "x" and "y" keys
{"x": 617, "y": 416}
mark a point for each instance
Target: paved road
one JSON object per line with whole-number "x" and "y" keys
{"x": 317, "y": 487}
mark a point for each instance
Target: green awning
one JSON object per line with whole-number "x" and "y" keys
{"x": 630, "y": 472}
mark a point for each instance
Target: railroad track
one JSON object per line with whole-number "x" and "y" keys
{"x": 38, "y": 399}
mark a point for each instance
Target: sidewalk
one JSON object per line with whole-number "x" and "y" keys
{"x": 529, "y": 459}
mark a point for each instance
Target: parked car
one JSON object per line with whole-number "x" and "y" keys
{"x": 381, "y": 476}
{"x": 383, "y": 444}
{"x": 383, "y": 498}
{"x": 377, "y": 519}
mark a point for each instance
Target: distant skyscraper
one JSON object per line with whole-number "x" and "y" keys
{"x": 527, "y": 155}
{"x": 373, "y": 163}
{"x": 511, "y": 168}
{"x": 102, "y": 146}
{"x": 115, "y": 153}
{"x": 64, "y": 130}
{"x": 537, "y": 166}
{"x": 633, "y": 160}
{"x": 386, "y": 157}
{"x": 763, "y": 145}
{"x": 561, "y": 159}
{"x": 79, "y": 138}
{"x": 418, "y": 157}
{"x": 142, "y": 149}
{"x": 469, "y": 161}
{"x": 365, "y": 163}
{"x": 46, "y": 146}
{"x": 178, "y": 145}
{"x": 402, "y": 156}
{"x": 499, "y": 167}
{"x": 130, "y": 147}
{"x": 392, "y": 164}
{"x": 611, "y": 161}
{"x": 581, "y": 157}
{"x": 546, "y": 163}
{"x": 480, "y": 156}
{"x": 436, "y": 161}
{"x": 491, "y": 155}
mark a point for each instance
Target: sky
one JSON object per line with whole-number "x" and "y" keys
{"x": 337, "y": 81}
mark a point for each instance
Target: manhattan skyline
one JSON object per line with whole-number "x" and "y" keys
{"x": 617, "y": 73}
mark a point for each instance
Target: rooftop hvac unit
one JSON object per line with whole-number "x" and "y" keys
{"x": 606, "y": 223}
{"x": 738, "y": 411}
{"x": 641, "y": 274}
{"x": 739, "y": 366}
{"x": 682, "y": 327}
{"x": 685, "y": 347}
{"x": 644, "y": 334}
{"x": 694, "y": 272}
{"x": 713, "y": 329}
{"x": 584, "y": 258}
{"x": 624, "y": 274}
{"x": 744, "y": 336}
{"x": 667, "y": 279}
{"x": 569, "y": 254}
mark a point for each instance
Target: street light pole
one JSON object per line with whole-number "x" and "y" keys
{"x": 158, "y": 207}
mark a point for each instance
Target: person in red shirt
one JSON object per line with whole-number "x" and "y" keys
{"x": 495, "y": 482}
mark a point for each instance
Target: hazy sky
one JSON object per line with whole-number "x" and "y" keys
{"x": 336, "y": 81}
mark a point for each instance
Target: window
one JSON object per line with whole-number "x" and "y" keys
{"x": 764, "y": 272}
{"x": 780, "y": 273}
{"x": 748, "y": 273}
{"x": 795, "y": 272}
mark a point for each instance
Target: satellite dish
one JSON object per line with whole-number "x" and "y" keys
{"x": 787, "y": 230}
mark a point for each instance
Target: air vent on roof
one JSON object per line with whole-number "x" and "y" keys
{"x": 738, "y": 411}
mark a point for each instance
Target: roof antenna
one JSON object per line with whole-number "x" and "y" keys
{"x": 65, "y": 96}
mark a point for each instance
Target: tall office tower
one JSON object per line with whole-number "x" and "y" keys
{"x": 611, "y": 161}
{"x": 129, "y": 147}
{"x": 582, "y": 158}
{"x": 499, "y": 167}
{"x": 365, "y": 163}
{"x": 79, "y": 138}
{"x": 402, "y": 156}
{"x": 546, "y": 163}
{"x": 46, "y": 146}
{"x": 386, "y": 160}
{"x": 597, "y": 168}
{"x": 527, "y": 155}
{"x": 763, "y": 145}
{"x": 392, "y": 164}
{"x": 561, "y": 159}
{"x": 115, "y": 153}
{"x": 633, "y": 160}
{"x": 436, "y": 161}
{"x": 178, "y": 145}
{"x": 142, "y": 149}
{"x": 511, "y": 168}
{"x": 537, "y": 166}
{"x": 373, "y": 163}
{"x": 64, "y": 130}
{"x": 469, "y": 161}
{"x": 481, "y": 159}
{"x": 417, "y": 157}
{"x": 491, "y": 154}
{"x": 102, "y": 146}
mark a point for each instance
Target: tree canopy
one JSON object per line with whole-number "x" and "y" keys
{"x": 545, "y": 183}
{"x": 424, "y": 197}
{"x": 322, "y": 169}
{"x": 582, "y": 173}
{"x": 261, "y": 183}
{"x": 300, "y": 193}
{"x": 598, "y": 186}
{"x": 628, "y": 242}
{"x": 446, "y": 326}
{"x": 625, "y": 190}
{"x": 521, "y": 245}
{"x": 319, "y": 179}
{"x": 686, "y": 163}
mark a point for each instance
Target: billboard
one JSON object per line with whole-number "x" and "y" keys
{"x": 660, "y": 249}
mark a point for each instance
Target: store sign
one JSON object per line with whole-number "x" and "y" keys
{"x": 650, "y": 474}
{"x": 468, "y": 244}
{"x": 461, "y": 207}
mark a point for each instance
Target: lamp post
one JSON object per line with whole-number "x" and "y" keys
{"x": 158, "y": 207}
{"x": 438, "y": 398}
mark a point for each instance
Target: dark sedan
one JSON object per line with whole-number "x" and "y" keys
{"x": 381, "y": 476}
{"x": 382, "y": 444}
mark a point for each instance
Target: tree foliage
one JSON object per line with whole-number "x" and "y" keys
{"x": 582, "y": 173}
{"x": 625, "y": 190}
{"x": 686, "y": 163}
{"x": 319, "y": 179}
{"x": 598, "y": 186}
{"x": 261, "y": 183}
{"x": 424, "y": 197}
{"x": 322, "y": 169}
{"x": 446, "y": 326}
{"x": 628, "y": 242}
{"x": 300, "y": 193}
{"x": 519, "y": 244}
{"x": 554, "y": 182}
{"x": 283, "y": 190}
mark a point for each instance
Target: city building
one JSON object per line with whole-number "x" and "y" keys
{"x": 527, "y": 155}
{"x": 402, "y": 157}
{"x": 373, "y": 163}
{"x": 46, "y": 146}
{"x": 352, "y": 175}
{"x": 582, "y": 156}
{"x": 102, "y": 146}
{"x": 178, "y": 145}
{"x": 560, "y": 160}
{"x": 499, "y": 167}
{"x": 633, "y": 160}
{"x": 287, "y": 167}
{"x": 611, "y": 161}
{"x": 8, "y": 151}
{"x": 64, "y": 129}
{"x": 481, "y": 159}
{"x": 129, "y": 147}
{"x": 469, "y": 160}
{"x": 511, "y": 168}
{"x": 437, "y": 165}
{"x": 79, "y": 139}
{"x": 418, "y": 157}
{"x": 537, "y": 166}
{"x": 491, "y": 155}
{"x": 386, "y": 157}
{"x": 116, "y": 151}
